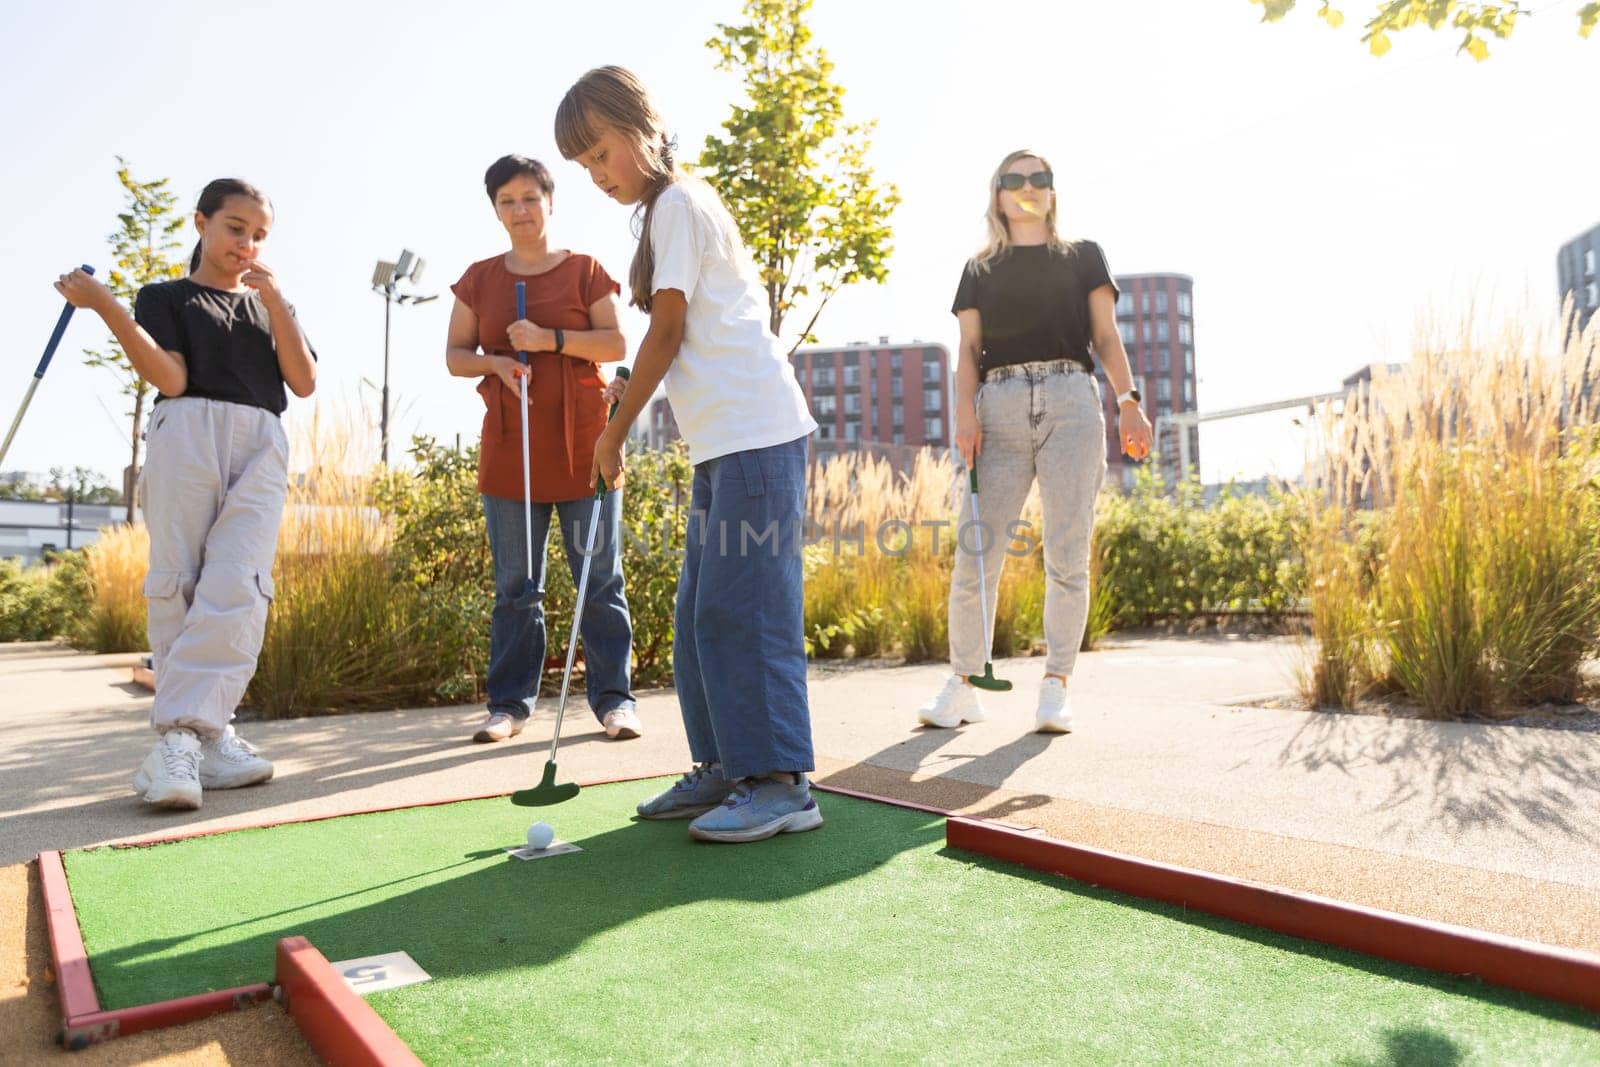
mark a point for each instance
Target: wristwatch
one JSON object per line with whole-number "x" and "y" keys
{"x": 1131, "y": 394}
{"x": 561, "y": 340}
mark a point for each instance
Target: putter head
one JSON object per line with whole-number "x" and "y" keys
{"x": 546, "y": 792}
{"x": 988, "y": 681}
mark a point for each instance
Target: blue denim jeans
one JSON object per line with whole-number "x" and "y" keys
{"x": 739, "y": 650}
{"x": 517, "y": 627}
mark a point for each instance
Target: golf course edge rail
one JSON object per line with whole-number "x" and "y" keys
{"x": 1562, "y": 974}
{"x": 83, "y": 1022}
{"x": 337, "y": 1024}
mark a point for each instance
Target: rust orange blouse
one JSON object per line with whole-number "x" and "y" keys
{"x": 566, "y": 408}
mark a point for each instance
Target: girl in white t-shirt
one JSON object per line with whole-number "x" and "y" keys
{"x": 739, "y": 649}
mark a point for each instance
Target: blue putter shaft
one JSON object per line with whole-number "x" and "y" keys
{"x": 44, "y": 365}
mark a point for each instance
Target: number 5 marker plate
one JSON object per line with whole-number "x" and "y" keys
{"x": 373, "y": 974}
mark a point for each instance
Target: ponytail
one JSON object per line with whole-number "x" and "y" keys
{"x": 642, "y": 271}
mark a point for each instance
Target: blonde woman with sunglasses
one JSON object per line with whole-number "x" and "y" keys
{"x": 1034, "y": 312}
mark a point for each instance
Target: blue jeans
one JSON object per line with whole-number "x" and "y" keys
{"x": 517, "y": 629}
{"x": 739, "y": 649}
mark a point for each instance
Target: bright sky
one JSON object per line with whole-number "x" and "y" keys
{"x": 1322, "y": 200}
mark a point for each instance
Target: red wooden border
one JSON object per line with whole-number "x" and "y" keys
{"x": 74, "y": 986}
{"x": 1543, "y": 970}
{"x": 188, "y": 834}
{"x": 891, "y": 801}
{"x": 340, "y": 1026}
{"x": 81, "y": 1031}
{"x": 1560, "y": 974}
{"x": 83, "y": 1023}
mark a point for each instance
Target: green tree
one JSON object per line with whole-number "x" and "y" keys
{"x": 1476, "y": 21}
{"x": 19, "y": 488}
{"x": 86, "y": 486}
{"x": 142, "y": 248}
{"x": 792, "y": 170}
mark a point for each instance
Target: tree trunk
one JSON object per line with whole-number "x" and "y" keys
{"x": 131, "y": 488}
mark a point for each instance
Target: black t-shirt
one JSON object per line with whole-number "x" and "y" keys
{"x": 225, "y": 340}
{"x": 1033, "y": 303}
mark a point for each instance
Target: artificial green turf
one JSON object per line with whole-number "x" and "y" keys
{"x": 865, "y": 941}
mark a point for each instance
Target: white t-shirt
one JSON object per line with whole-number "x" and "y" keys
{"x": 730, "y": 387}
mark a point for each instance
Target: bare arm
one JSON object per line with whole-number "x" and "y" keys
{"x": 656, "y": 352}
{"x": 1134, "y": 426}
{"x": 162, "y": 368}
{"x": 601, "y": 343}
{"x": 464, "y": 360}
{"x": 299, "y": 370}
{"x": 969, "y": 435}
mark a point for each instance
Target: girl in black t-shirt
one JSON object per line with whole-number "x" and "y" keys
{"x": 1034, "y": 310}
{"x": 219, "y": 346}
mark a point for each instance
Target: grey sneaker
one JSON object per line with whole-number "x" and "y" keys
{"x": 498, "y": 726}
{"x": 170, "y": 775}
{"x": 759, "y": 808}
{"x": 228, "y": 761}
{"x": 694, "y": 794}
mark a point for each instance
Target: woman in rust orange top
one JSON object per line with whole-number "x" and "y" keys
{"x": 570, "y": 328}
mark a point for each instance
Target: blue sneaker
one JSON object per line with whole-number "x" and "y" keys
{"x": 757, "y": 809}
{"x": 694, "y": 794}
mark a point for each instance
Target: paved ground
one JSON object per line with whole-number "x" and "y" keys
{"x": 1156, "y": 735}
{"x": 1492, "y": 826}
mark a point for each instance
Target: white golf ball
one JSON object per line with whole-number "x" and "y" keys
{"x": 540, "y": 834}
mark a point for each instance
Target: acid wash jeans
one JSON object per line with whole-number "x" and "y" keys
{"x": 213, "y": 491}
{"x": 1042, "y": 421}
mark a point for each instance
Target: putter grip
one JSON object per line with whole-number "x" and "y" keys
{"x": 600, "y": 483}
{"x": 522, "y": 313}
{"x": 59, "y": 332}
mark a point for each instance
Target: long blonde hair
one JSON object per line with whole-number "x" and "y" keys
{"x": 999, "y": 241}
{"x": 617, "y": 98}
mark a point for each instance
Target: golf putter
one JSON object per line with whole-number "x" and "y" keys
{"x": 547, "y": 792}
{"x": 38, "y": 374}
{"x": 986, "y": 680}
{"x": 527, "y": 477}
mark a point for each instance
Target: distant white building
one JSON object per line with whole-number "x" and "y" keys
{"x": 30, "y": 528}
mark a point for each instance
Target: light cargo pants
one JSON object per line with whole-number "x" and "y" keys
{"x": 1038, "y": 421}
{"x": 213, "y": 488}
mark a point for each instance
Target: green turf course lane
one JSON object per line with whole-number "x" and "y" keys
{"x": 865, "y": 941}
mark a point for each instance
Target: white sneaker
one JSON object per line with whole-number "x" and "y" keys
{"x": 1055, "y": 708}
{"x": 622, "y": 724}
{"x": 498, "y": 727}
{"x": 955, "y": 704}
{"x": 170, "y": 775}
{"x": 229, "y": 761}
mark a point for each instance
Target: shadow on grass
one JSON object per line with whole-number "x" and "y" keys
{"x": 361, "y": 889}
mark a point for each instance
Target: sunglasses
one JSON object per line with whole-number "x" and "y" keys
{"x": 1040, "y": 180}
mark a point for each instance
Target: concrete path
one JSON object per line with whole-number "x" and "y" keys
{"x": 1162, "y": 762}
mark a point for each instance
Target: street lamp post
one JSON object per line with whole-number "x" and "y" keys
{"x": 385, "y": 279}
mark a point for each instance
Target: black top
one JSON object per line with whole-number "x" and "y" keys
{"x": 225, "y": 340}
{"x": 1033, "y": 303}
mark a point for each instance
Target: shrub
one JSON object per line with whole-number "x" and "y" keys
{"x": 115, "y": 567}
{"x": 1482, "y": 588}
